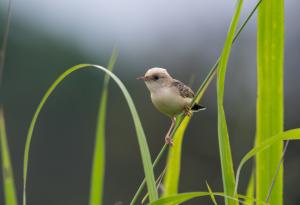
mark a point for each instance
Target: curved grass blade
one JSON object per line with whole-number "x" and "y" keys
{"x": 183, "y": 197}
{"x": 8, "y": 178}
{"x": 223, "y": 137}
{"x": 145, "y": 154}
{"x": 293, "y": 134}
{"x": 197, "y": 98}
{"x": 98, "y": 169}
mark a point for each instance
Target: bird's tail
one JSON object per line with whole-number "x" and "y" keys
{"x": 197, "y": 107}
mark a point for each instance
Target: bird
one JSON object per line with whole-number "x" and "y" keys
{"x": 169, "y": 96}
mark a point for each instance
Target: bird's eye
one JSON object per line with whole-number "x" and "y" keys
{"x": 156, "y": 77}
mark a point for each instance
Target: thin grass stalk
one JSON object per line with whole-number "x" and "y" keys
{"x": 270, "y": 45}
{"x": 98, "y": 166}
{"x": 277, "y": 172}
{"x": 198, "y": 97}
{"x": 158, "y": 184}
{"x": 8, "y": 177}
{"x": 228, "y": 176}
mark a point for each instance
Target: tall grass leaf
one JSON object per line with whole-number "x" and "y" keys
{"x": 144, "y": 149}
{"x": 8, "y": 179}
{"x": 270, "y": 54}
{"x": 98, "y": 166}
{"x": 183, "y": 197}
{"x": 293, "y": 134}
{"x": 198, "y": 97}
{"x": 224, "y": 143}
{"x": 171, "y": 179}
{"x": 250, "y": 189}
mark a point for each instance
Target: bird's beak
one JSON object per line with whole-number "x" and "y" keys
{"x": 141, "y": 78}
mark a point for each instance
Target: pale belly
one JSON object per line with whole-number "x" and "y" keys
{"x": 169, "y": 102}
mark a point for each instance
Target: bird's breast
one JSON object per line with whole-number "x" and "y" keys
{"x": 168, "y": 101}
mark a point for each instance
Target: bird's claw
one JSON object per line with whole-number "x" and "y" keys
{"x": 169, "y": 140}
{"x": 187, "y": 111}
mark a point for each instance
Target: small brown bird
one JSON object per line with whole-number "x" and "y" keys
{"x": 169, "y": 96}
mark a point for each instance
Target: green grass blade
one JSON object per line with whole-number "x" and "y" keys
{"x": 183, "y": 197}
{"x": 158, "y": 184}
{"x": 180, "y": 198}
{"x": 250, "y": 190}
{"x": 293, "y": 134}
{"x": 211, "y": 194}
{"x": 223, "y": 137}
{"x": 270, "y": 49}
{"x": 8, "y": 179}
{"x": 198, "y": 97}
{"x": 145, "y": 154}
{"x": 277, "y": 171}
{"x": 171, "y": 179}
{"x": 98, "y": 169}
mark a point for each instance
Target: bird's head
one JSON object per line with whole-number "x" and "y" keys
{"x": 156, "y": 78}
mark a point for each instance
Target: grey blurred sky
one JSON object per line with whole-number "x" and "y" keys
{"x": 140, "y": 28}
{"x": 131, "y": 23}
{"x": 134, "y": 24}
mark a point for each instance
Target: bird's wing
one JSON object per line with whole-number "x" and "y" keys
{"x": 183, "y": 90}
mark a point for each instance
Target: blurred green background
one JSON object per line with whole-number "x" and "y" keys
{"x": 186, "y": 37}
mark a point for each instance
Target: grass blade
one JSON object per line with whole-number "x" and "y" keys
{"x": 223, "y": 137}
{"x": 8, "y": 179}
{"x": 211, "y": 194}
{"x": 145, "y": 154}
{"x": 270, "y": 49}
{"x": 98, "y": 169}
{"x": 180, "y": 198}
{"x": 158, "y": 184}
{"x": 293, "y": 134}
{"x": 171, "y": 179}
{"x": 250, "y": 190}
{"x": 277, "y": 171}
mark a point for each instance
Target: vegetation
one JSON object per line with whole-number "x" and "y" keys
{"x": 268, "y": 149}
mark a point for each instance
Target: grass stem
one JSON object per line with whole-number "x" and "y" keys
{"x": 277, "y": 171}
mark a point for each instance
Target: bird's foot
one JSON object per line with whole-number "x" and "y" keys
{"x": 169, "y": 140}
{"x": 187, "y": 111}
